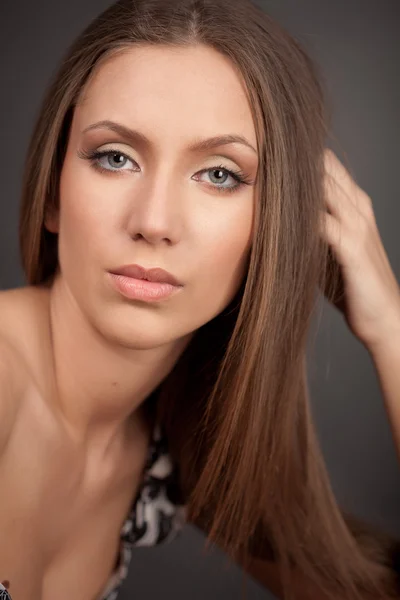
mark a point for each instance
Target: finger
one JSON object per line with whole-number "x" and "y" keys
{"x": 336, "y": 171}
{"x": 334, "y": 235}
{"x": 348, "y": 244}
{"x": 337, "y": 200}
{"x": 330, "y": 229}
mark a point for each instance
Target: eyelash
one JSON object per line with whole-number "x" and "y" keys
{"x": 240, "y": 177}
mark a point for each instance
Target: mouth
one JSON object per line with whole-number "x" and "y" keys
{"x": 148, "y": 285}
{"x": 156, "y": 274}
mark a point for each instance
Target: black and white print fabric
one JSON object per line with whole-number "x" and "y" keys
{"x": 158, "y": 513}
{"x": 4, "y": 595}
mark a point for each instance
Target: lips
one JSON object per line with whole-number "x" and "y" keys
{"x": 156, "y": 274}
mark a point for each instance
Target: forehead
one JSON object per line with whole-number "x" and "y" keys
{"x": 170, "y": 90}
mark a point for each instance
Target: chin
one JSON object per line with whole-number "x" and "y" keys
{"x": 138, "y": 329}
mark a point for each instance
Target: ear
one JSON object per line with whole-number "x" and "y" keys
{"x": 51, "y": 220}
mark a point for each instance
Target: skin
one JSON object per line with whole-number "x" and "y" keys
{"x": 79, "y": 359}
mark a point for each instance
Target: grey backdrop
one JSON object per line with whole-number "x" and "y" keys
{"x": 357, "y": 44}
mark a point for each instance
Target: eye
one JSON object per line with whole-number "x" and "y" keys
{"x": 94, "y": 157}
{"x": 110, "y": 155}
{"x": 240, "y": 178}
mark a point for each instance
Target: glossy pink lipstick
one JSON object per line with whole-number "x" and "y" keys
{"x": 148, "y": 285}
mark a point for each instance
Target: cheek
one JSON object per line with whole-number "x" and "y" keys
{"x": 229, "y": 238}
{"x": 229, "y": 251}
{"x": 84, "y": 220}
{"x": 224, "y": 259}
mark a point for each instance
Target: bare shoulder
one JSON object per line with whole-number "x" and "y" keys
{"x": 21, "y": 320}
{"x": 10, "y": 389}
{"x": 13, "y": 365}
{"x": 16, "y": 303}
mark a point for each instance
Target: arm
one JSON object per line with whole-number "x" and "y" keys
{"x": 8, "y": 403}
{"x": 386, "y": 358}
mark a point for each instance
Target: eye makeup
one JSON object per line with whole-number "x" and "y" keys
{"x": 95, "y": 156}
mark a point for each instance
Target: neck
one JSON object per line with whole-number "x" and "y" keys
{"x": 100, "y": 384}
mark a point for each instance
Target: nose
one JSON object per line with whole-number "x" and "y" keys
{"x": 156, "y": 214}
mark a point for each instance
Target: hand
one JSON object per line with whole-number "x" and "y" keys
{"x": 371, "y": 304}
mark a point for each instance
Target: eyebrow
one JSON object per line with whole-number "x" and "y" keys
{"x": 201, "y": 145}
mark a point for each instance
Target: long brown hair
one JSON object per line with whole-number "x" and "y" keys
{"x": 236, "y": 406}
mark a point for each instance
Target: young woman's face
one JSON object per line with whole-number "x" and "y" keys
{"x": 156, "y": 202}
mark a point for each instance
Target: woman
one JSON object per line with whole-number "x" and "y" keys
{"x": 129, "y": 406}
